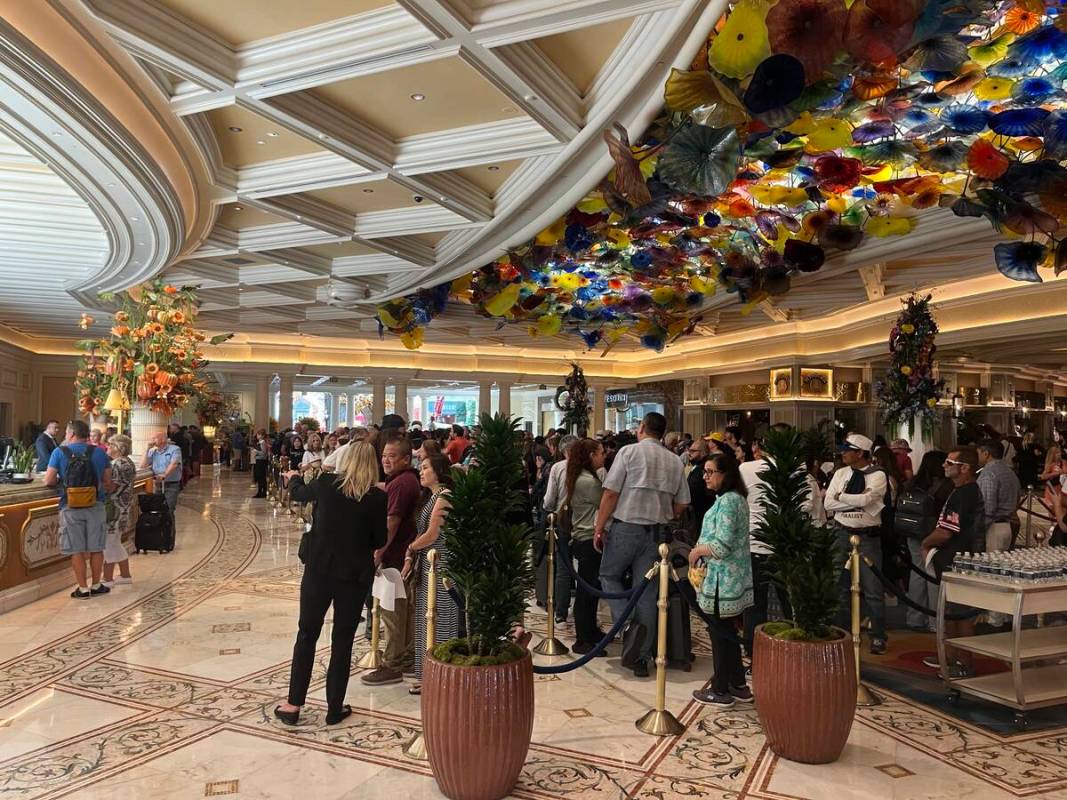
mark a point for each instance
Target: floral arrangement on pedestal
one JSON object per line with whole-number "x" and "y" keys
{"x": 909, "y": 390}
{"x": 215, "y": 408}
{"x": 573, "y": 400}
{"x": 153, "y": 350}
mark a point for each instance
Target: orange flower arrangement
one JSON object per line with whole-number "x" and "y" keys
{"x": 151, "y": 350}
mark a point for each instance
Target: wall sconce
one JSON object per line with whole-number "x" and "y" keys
{"x": 957, "y": 406}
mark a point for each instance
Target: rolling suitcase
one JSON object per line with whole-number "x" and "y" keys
{"x": 155, "y": 525}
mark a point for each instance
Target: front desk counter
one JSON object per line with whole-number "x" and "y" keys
{"x": 31, "y": 565}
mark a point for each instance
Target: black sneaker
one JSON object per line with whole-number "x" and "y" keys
{"x": 707, "y": 697}
{"x": 641, "y": 668}
{"x": 878, "y": 647}
{"x": 81, "y": 594}
{"x": 632, "y": 642}
{"x": 101, "y": 589}
{"x": 742, "y": 694}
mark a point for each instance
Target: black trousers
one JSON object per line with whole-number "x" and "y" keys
{"x": 725, "y": 654}
{"x": 585, "y": 604}
{"x": 317, "y": 593}
{"x": 761, "y": 588}
{"x": 260, "y": 474}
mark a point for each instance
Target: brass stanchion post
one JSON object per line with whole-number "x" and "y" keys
{"x": 550, "y": 645}
{"x": 864, "y": 696}
{"x": 374, "y": 658}
{"x": 416, "y": 748}
{"x": 659, "y": 721}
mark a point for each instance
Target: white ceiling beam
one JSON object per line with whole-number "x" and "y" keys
{"x": 371, "y": 264}
{"x": 502, "y": 140}
{"x": 406, "y": 248}
{"x": 427, "y": 218}
{"x": 156, "y": 34}
{"x": 873, "y": 277}
{"x": 302, "y": 174}
{"x": 560, "y": 112}
{"x": 513, "y": 21}
{"x": 308, "y": 211}
{"x": 301, "y": 260}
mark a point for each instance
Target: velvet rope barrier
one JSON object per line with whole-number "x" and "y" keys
{"x": 911, "y": 603}
{"x": 598, "y": 648}
{"x": 926, "y": 576}
{"x": 565, "y": 556}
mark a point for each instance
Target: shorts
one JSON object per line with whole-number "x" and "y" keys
{"x": 82, "y": 530}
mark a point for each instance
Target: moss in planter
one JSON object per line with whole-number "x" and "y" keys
{"x": 785, "y": 631}
{"x": 458, "y": 652}
{"x": 774, "y": 628}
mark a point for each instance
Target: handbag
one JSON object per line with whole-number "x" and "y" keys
{"x": 698, "y": 573}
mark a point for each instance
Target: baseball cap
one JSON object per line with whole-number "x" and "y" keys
{"x": 900, "y": 444}
{"x": 715, "y": 436}
{"x": 857, "y": 441}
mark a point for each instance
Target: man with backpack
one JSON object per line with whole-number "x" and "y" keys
{"x": 83, "y": 473}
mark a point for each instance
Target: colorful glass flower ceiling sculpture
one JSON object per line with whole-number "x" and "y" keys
{"x": 804, "y": 127}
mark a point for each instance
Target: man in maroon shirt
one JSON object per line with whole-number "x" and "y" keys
{"x": 403, "y": 488}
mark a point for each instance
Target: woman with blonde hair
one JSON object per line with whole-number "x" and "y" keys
{"x": 350, "y": 524}
{"x": 123, "y": 474}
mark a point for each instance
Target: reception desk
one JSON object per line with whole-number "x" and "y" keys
{"x": 31, "y": 565}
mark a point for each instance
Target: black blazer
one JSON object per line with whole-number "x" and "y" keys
{"x": 345, "y": 532}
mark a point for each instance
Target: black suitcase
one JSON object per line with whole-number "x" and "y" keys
{"x": 151, "y": 502}
{"x": 155, "y": 531}
{"x": 679, "y": 633}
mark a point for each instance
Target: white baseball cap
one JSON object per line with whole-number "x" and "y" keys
{"x": 857, "y": 441}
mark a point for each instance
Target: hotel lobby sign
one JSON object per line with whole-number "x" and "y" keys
{"x": 40, "y": 537}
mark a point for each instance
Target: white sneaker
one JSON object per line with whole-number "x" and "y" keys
{"x": 120, "y": 581}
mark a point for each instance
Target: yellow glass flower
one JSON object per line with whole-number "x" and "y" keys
{"x": 907, "y": 327}
{"x": 890, "y": 226}
{"x": 986, "y": 53}
{"x": 412, "y": 339}
{"x": 663, "y": 295}
{"x": 618, "y": 238}
{"x": 994, "y": 88}
{"x": 829, "y": 134}
{"x": 742, "y": 43}
{"x": 503, "y": 300}
{"x": 567, "y": 281}
{"x": 905, "y": 370}
{"x": 553, "y": 234}
{"x": 549, "y": 325}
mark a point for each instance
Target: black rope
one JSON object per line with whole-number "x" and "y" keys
{"x": 911, "y": 603}
{"x": 689, "y": 597}
{"x": 905, "y": 556}
{"x": 611, "y": 634}
{"x": 565, "y": 558}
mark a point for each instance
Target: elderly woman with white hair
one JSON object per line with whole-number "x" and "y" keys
{"x": 119, "y": 503}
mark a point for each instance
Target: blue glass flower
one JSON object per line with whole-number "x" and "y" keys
{"x": 579, "y": 313}
{"x": 1013, "y": 66}
{"x": 641, "y": 259}
{"x": 712, "y": 220}
{"x": 1033, "y": 91}
{"x": 1046, "y": 42}
{"x": 914, "y": 116}
{"x": 694, "y": 299}
{"x": 1019, "y": 260}
{"x": 1056, "y": 135}
{"x": 585, "y": 294}
{"x": 964, "y": 120}
{"x": 1019, "y": 122}
{"x": 872, "y": 131}
{"x": 577, "y": 237}
{"x": 591, "y": 338}
{"x": 654, "y": 341}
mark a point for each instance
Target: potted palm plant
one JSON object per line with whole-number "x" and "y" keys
{"x": 477, "y": 691}
{"x": 804, "y": 676}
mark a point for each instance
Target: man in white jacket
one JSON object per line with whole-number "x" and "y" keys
{"x": 855, "y": 499}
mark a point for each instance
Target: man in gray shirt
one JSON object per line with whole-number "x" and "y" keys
{"x": 644, "y": 491}
{"x": 1000, "y": 496}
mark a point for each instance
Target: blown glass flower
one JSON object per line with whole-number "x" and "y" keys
{"x": 742, "y": 43}
{"x": 808, "y": 30}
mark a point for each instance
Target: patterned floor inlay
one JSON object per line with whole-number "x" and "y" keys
{"x": 168, "y": 691}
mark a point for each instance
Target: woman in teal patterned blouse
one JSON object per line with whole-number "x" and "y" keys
{"x": 727, "y": 589}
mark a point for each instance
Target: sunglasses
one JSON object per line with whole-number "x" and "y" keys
{"x": 954, "y": 462}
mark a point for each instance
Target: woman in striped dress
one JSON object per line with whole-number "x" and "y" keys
{"x": 435, "y": 473}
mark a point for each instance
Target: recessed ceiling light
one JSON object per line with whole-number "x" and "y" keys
{"x": 140, "y": 244}
{"x": 418, "y": 96}
{"x": 273, "y": 134}
{"x": 237, "y": 208}
{"x": 133, "y": 219}
{"x": 493, "y": 168}
{"x": 261, "y": 141}
{"x": 57, "y": 133}
{"x": 235, "y": 129}
{"x": 531, "y": 98}
{"x": 368, "y": 191}
{"x": 509, "y": 109}
{"x": 323, "y": 136}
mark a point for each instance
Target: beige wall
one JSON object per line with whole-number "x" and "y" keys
{"x": 37, "y": 388}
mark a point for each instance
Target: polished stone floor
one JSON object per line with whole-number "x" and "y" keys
{"x": 164, "y": 690}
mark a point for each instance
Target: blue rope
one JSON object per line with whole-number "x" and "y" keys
{"x": 565, "y": 559}
{"x": 611, "y": 634}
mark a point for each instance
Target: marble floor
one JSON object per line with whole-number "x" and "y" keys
{"x": 164, "y": 689}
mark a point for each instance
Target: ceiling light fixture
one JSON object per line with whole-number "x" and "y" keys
{"x": 237, "y": 208}
{"x": 418, "y": 97}
{"x": 261, "y": 141}
{"x": 493, "y": 168}
{"x": 368, "y": 191}
{"x": 235, "y": 129}
{"x": 509, "y": 109}
{"x": 273, "y": 134}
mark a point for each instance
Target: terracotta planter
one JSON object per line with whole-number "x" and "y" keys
{"x": 805, "y": 695}
{"x": 477, "y": 723}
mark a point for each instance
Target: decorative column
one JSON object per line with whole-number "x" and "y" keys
{"x": 485, "y": 398}
{"x": 285, "y": 402}
{"x": 596, "y": 422}
{"x": 261, "y": 413}
{"x": 400, "y": 400}
{"x": 504, "y": 402}
{"x": 378, "y": 400}
{"x": 350, "y": 418}
{"x": 335, "y": 410}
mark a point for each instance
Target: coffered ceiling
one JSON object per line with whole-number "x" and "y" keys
{"x": 364, "y": 149}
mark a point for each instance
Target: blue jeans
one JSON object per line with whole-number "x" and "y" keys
{"x": 631, "y": 547}
{"x": 873, "y": 594}
{"x": 170, "y": 494}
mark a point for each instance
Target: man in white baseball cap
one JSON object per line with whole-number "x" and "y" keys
{"x": 855, "y": 499}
